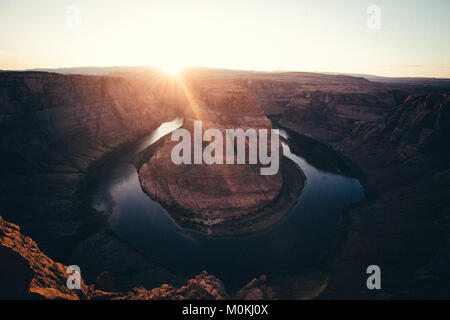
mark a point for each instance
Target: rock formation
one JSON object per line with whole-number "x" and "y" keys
{"x": 257, "y": 289}
{"x": 27, "y": 272}
{"x": 218, "y": 199}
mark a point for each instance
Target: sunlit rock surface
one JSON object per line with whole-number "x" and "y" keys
{"x": 27, "y": 273}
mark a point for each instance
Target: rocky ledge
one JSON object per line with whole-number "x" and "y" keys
{"x": 27, "y": 273}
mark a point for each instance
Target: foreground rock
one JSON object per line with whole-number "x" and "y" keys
{"x": 203, "y": 286}
{"x": 27, "y": 273}
{"x": 257, "y": 289}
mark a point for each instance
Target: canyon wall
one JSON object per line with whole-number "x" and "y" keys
{"x": 398, "y": 136}
{"x": 404, "y": 229}
{"x": 52, "y": 129}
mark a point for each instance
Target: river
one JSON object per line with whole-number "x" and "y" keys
{"x": 296, "y": 243}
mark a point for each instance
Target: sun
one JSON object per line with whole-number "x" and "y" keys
{"x": 172, "y": 69}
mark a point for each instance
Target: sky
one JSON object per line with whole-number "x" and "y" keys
{"x": 380, "y": 37}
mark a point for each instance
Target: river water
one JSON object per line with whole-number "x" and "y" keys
{"x": 294, "y": 244}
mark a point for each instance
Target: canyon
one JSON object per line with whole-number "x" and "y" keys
{"x": 56, "y": 130}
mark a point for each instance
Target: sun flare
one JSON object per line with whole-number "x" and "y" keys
{"x": 172, "y": 69}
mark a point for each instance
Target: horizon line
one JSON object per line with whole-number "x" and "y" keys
{"x": 230, "y": 69}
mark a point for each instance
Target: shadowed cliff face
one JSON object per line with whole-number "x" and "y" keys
{"x": 403, "y": 150}
{"x": 421, "y": 123}
{"x": 276, "y": 91}
{"x": 53, "y": 128}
